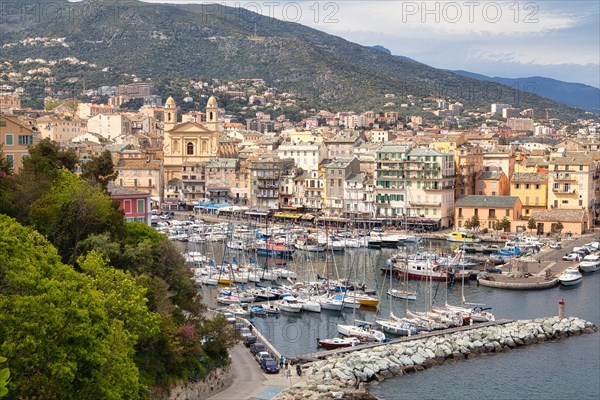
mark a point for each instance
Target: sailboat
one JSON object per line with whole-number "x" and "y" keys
{"x": 327, "y": 302}
{"x": 402, "y": 293}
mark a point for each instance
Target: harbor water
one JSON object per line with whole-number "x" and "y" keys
{"x": 555, "y": 370}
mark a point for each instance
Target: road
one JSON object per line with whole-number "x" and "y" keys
{"x": 247, "y": 376}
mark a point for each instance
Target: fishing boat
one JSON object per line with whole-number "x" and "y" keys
{"x": 570, "y": 277}
{"x": 258, "y": 311}
{"x": 336, "y": 343}
{"x": 409, "y": 239}
{"x": 273, "y": 248}
{"x": 433, "y": 271}
{"x": 461, "y": 237}
{"x": 399, "y": 328}
{"x": 310, "y": 305}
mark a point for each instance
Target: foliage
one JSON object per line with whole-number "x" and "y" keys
{"x": 71, "y": 211}
{"x": 4, "y": 378}
{"x": 65, "y": 334}
{"x": 502, "y": 225}
{"x": 557, "y": 227}
{"x": 100, "y": 170}
{"x": 5, "y": 168}
{"x": 19, "y": 191}
{"x": 47, "y": 155}
{"x": 531, "y": 224}
{"x": 473, "y": 222}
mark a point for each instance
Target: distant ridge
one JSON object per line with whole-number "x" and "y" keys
{"x": 574, "y": 94}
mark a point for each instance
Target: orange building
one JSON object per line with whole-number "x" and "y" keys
{"x": 489, "y": 209}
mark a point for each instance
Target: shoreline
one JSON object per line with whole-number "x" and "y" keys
{"x": 336, "y": 376}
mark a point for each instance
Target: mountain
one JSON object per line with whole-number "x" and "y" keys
{"x": 574, "y": 94}
{"x": 382, "y": 49}
{"x": 163, "y": 41}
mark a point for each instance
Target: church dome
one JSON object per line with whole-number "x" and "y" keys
{"x": 170, "y": 103}
{"x": 212, "y": 103}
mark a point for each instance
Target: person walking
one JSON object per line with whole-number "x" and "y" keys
{"x": 281, "y": 359}
{"x": 286, "y": 363}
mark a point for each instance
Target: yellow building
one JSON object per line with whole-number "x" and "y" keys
{"x": 489, "y": 210}
{"x": 532, "y": 189}
{"x": 15, "y": 139}
{"x": 189, "y": 142}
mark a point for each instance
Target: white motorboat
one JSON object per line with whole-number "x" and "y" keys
{"x": 310, "y": 305}
{"x": 228, "y": 300}
{"x": 289, "y": 304}
{"x": 309, "y": 243}
{"x": 207, "y": 280}
{"x": 362, "y": 332}
{"x": 409, "y": 239}
{"x": 590, "y": 263}
{"x": 570, "y": 277}
{"x": 328, "y": 303}
{"x": 402, "y": 294}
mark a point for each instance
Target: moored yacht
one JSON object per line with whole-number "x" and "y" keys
{"x": 590, "y": 263}
{"x": 570, "y": 277}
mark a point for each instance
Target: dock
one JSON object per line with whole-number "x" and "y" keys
{"x": 327, "y": 353}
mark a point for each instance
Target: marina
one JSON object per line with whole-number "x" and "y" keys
{"x": 312, "y": 333}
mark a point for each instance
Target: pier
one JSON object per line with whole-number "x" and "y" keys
{"x": 328, "y": 353}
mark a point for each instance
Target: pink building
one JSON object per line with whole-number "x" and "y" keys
{"x": 135, "y": 204}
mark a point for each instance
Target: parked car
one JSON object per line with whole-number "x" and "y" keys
{"x": 245, "y": 332}
{"x": 257, "y": 348}
{"x": 229, "y": 317}
{"x": 239, "y": 326}
{"x": 249, "y": 340}
{"x": 262, "y": 354}
{"x": 571, "y": 257}
{"x": 555, "y": 245}
{"x": 270, "y": 366}
{"x": 581, "y": 250}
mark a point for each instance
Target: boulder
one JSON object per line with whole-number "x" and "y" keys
{"x": 322, "y": 388}
{"x": 406, "y": 360}
{"x": 417, "y": 359}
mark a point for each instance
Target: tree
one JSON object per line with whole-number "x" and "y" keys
{"x": 5, "y": 168}
{"x": 557, "y": 227}
{"x": 69, "y": 335}
{"x": 531, "y": 224}
{"x": 100, "y": 170}
{"x": 4, "y": 378}
{"x": 47, "y": 155}
{"x": 71, "y": 211}
{"x": 473, "y": 222}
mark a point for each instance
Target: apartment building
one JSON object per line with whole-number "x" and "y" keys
{"x": 265, "y": 181}
{"x": 336, "y": 173}
{"x": 532, "y": 189}
{"x": 15, "y": 139}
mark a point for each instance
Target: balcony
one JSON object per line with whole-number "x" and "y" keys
{"x": 564, "y": 177}
{"x": 438, "y": 187}
{"x": 274, "y": 195}
{"x": 564, "y": 191}
{"x": 425, "y": 203}
{"x": 265, "y": 185}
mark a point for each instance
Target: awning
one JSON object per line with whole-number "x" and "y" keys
{"x": 308, "y": 217}
{"x": 288, "y": 215}
{"x": 257, "y": 213}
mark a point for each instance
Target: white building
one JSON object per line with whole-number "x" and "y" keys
{"x": 305, "y": 155}
{"x": 109, "y": 126}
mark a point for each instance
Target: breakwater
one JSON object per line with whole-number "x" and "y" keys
{"x": 336, "y": 377}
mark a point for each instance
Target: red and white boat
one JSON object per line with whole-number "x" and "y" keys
{"x": 336, "y": 343}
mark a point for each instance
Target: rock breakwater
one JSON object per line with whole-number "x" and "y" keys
{"x": 336, "y": 377}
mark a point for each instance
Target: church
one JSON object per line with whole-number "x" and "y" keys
{"x": 189, "y": 142}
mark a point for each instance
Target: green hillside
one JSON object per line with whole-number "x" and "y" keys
{"x": 191, "y": 41}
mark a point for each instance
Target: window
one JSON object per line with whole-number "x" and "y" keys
{"x": 149, "y": 182}
{"x": 508, "y": 213}
{"x": 141, "y": 206}
{"x": 581, "y": 167}
{"x": 527, "y": 186}
{"x": 10, "y": 160}
{"x": 580, "y": 203}
{"x": 460, "y": 213}
{"x": 190, "y": 149}
{"x": 527, "y": 200}
{"x": 491, "y": 213}
{"x": 8, "y": 139}
{"x": 476, "y": 211}
{"x": 517, "y": 186}
{"x": 565, "y": 202}
{"x": 493, "y": 185}
{"x": 25, "y": 140}
{"x": 135, "y": 182}
{"x": 537, "y": 186}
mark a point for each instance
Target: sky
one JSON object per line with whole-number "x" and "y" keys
{"x": 551, "y": 38}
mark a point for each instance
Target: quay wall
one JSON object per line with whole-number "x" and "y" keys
{"x": 336, "y": 376}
